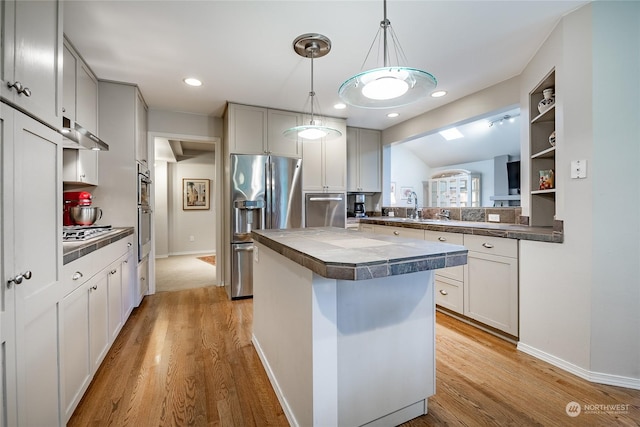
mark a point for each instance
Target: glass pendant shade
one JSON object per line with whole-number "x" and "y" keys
{"x": 312, "y": 46}
{"x": 387, "y": 86}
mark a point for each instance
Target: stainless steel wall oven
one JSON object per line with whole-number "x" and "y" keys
{"x": 144, "y": 211}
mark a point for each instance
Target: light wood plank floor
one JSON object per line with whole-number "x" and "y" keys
{"x": 185, "y": 358}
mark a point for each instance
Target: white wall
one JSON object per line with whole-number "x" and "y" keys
{"x": 580, "y": 300}
{"x": 407, "y": 170}
{"x": 197, "y": 223}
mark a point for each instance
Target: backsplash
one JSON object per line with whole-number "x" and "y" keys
{"x": 508, "y": 215}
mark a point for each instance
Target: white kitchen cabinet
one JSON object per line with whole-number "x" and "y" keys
{"x": 143, "y": 279}
{"x": 277, "y": 122}
{"x": 409, "y": 233}
{"x": 491, "y": 282}
{"x": 31, "y": 229}
{"x": 364, "y": 160}
{"x": 324, "y": 162}
{"x": 455, "y": 188}
{"x": 32, "y": 57}
{"x": 129, "y": 282}
{"x": 141, "y": 126}
{"x": 259, "y": 130}
{"x": 91, "y": 315}
{"x": 449, "y": 281}
{"x": 80, "y": 104}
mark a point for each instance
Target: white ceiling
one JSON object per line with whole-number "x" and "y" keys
{"x": 242, "y": 50}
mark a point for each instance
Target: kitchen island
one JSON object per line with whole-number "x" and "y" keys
{"x": 344, "y": 323}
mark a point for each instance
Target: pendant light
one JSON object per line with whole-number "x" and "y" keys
{"x": 312, "y": 46}
{"x": 390, "y": 85}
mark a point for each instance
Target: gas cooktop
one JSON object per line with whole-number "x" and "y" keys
{"x": 83, "y": 232}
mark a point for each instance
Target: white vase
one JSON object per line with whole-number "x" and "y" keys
{"x": 548, "y": 100}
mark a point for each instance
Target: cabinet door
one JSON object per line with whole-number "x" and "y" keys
{"x": 143, "y": 278}
{"x": 69, "y": 84}
{"x": 491, "y": 291}
{"x": 37, "y": 248}
{"x": 335, "y": 161}
{"x": 87, "y": 99}
{"x": 247, "y": 129}
{"x": 142, "y": 149}
{"x": 115, "y": 300}
{"x": 80, "y": 166}
{"x": 98, "y": 319}
{"x": 129, "y": 287}
{"x": 352, "y": 160}
{"x": 369, "y": 158}
{"x": 278, "y": 122}
{"x": 312, "y": 166}
{"x": 75, "y": 359}
{"x": 31, "y": 51}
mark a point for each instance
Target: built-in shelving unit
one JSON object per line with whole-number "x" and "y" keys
{"x": 543, "y": 155}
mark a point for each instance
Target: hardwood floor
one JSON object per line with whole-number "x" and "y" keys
{"x": 185, "y": 358}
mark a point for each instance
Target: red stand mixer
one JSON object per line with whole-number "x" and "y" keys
{"x": 71, "y": 199}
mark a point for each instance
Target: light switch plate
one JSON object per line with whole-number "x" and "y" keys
{"x": 494, "y": 217}
{"x": 578, "y": 169}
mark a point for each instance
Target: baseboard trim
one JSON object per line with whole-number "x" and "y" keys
{"x": 207, "y": 252}
{"x": 595, "y": 377}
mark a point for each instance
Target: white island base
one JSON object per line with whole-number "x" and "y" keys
{"x": 342, "y": 352}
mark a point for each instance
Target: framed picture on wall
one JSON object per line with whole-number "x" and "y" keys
{"x": 195, "y": 194}
{"x": 405, "y": 192}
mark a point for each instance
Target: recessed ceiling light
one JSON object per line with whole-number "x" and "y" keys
{"x": 393, "y": 115}
{"x": 192, "y": 82}
{"x": 340, "y": 106}
{"x": 438, "y": 93}
{"x": 451, "y": 133}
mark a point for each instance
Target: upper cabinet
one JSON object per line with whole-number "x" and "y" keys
{"x": 542, "y": 127}
{"x": 142, "y": 146}
{"x": 258, "y": 130}
{"x": 80, "y": 104}
{"x": 324, "y": 162}
{"x": 32, "y": 58}
{"x": 364, "y": 164}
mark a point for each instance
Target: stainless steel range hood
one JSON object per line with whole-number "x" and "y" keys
{"x": 80, "y": 138}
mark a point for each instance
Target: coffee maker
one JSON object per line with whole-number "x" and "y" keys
{"x": 358, "y": 206}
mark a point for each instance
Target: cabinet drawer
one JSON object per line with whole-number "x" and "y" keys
{"x": 444, "y": 237}
{"x": 492, "y": 245}
{"x": 408, "y": 233}
{"x": 449, "y": 294}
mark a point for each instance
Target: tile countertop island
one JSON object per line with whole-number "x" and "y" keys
{"x": 344, "y": 323}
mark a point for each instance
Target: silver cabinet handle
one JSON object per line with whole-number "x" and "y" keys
{"x": 19, "y": 88}
{"x": 397, "y": 233}
{"x": 442, "y": 239}
{"x": 129, "y": 244}
{"x": 443, "y": 292}
{"x": 77, "y": 275}
{"x": 113, "y": 271}
{"x": 94, "y": 288}
{"x": 18, "y": 279}
{"x": 487, "y": 245}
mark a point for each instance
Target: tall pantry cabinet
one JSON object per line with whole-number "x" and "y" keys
{"x": 122, "y": 122}
{"x": 31, "y": 247}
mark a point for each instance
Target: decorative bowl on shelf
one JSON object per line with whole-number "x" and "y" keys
{"x": 552, "y": 139}
{"x": 548, "y": 100}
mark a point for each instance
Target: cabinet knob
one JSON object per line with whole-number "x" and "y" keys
{"x": 19, "y": 278}
{"x": 26, "y": 92}
{"x": 19, "y": 88}
{"x": 487, "y": 245}
{"x": 76, "y": 276}
{"x": 443, "y": 292}
{"x": 112, "y": 272}
{"x": 442, "y": 239}
{"x": 94, "y": 288}
{"x": 397, "y": 233}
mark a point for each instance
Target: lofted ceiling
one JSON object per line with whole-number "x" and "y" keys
{"x": 242, "y": 50}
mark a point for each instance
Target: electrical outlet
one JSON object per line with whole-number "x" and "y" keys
{"x": 192, "y": 238}
{"x": 494, "y": 217}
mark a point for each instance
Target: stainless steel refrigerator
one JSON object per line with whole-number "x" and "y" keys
{"x": 266, "y": 192}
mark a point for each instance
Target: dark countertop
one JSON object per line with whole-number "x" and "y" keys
{"x": 509, "y": 231}
{"x": 72, "y": 250}
{"x": 337, "y": 253}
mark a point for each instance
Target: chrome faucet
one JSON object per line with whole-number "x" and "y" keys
{"x": 414, "y": 197}
{"x": 444, "y": 214}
